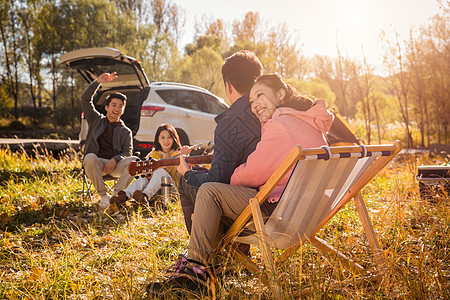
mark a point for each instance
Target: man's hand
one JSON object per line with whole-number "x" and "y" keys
{"x": 110, "y": 165}
{"x": 106, "y": 77}
{"x": 183, "y": 167}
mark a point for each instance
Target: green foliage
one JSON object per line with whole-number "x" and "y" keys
{"x": 5, "y": 101}
{"x": 203, "y": 68}
{"x": 315, "y": 87}
{"x": 211, "y": 41}
{"x": 16, "y": 125}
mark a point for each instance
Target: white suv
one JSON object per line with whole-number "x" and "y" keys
{"x": 190, "y": 109}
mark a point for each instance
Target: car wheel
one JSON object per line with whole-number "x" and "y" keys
{"x": 184, "y": 140}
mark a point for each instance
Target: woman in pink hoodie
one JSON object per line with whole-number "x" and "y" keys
{"x": 287, "y": 119}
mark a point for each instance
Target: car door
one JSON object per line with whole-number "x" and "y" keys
{"x": 191, "y": 111}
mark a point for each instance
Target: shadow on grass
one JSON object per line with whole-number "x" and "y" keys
{"x": 6, "y": 175}
{"x": 79, "y": 214}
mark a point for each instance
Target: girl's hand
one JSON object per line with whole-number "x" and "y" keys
{"x": 183, "y": 167}
{"x": 185, "y": 150}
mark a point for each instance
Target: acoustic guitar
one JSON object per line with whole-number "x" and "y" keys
{"x": 148, "y": 166}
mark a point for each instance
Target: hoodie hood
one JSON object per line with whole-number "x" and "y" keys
{"x": 317, "y": 116}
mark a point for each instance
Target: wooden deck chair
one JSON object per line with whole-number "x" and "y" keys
{"x": 322, "y": 182}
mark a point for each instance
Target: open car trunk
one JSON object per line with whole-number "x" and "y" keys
{"x": 131, "y": 80}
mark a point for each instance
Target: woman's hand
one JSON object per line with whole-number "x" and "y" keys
{"x": 183, "y": 167}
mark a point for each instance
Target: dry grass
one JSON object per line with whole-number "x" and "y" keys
{"x": 54, "y": 245}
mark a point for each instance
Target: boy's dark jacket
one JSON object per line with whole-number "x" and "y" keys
{"x": 122, "y": 136}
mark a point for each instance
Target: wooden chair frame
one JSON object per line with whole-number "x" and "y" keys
{"x": 353, "y": 192}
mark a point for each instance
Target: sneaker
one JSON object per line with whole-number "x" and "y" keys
{"x": 120, "y": 199}
{"x": 104, "y": 201}
{"x": 185, "y": 278}
{"x": 140, "y": 197}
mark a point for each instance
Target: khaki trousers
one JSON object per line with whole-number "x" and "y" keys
{"x": 217, "y": 206}
{"x": 148, "y": 186}
{"x": 93, "y": 165}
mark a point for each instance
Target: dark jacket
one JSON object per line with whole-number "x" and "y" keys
{"x": 237, "y": 132}
{"x": 122, "y": 136}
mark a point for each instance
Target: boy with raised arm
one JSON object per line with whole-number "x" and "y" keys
{"x": 109, "y": 142}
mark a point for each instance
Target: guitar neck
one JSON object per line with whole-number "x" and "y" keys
{"x": 193, "y": 160}
{"x": 148, "y": 166}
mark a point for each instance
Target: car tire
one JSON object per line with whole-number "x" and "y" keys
{"x": 184, "y": 139}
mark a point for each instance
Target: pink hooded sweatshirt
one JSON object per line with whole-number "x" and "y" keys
{"x": 287, "y": 128}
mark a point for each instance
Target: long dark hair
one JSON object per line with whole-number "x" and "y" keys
{"x": 173, "y": 133}
{"x": 292, "y": 99}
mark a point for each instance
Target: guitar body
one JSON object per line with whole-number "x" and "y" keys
{"x": 145, "y": 167}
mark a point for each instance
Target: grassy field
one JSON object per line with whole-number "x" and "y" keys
{"x": 55, "y": 245}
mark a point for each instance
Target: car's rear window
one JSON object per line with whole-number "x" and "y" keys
{"x": 182, "y": 98}
{"x": 121, "y": 69}
{"x": 192, "y": 100}
{"x": 99, "y": 66}
{"x": 213, "y": 105}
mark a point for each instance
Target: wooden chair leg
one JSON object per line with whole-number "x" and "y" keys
{"x": 249, "y": 265}
{"x": 287, "y": 253}
{"x": 265, "y": 248}
{"x": 329, "y": 250}
{"x": 324, "y": 248}
{"x": 245, "y": 261}
{"x": 377, "y": 252}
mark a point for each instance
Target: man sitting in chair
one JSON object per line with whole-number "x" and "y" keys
{"x": 288, "y": 119}
{"x": 236, "y": 134}
{"x": 109, "y": 143}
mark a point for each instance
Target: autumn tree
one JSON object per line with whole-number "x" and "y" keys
{"x": 203, "y": 68}
{"x": 399, "y": 81}
{"x": 10, "y": 49}
{"x": 337, "y": 73}
{"x": 437, "y": 79}
{"x": 27, "y": 16}
{"x": 209, "y": 33}
{"x": 163, "y": 51}
{"x": 284, "y": 52}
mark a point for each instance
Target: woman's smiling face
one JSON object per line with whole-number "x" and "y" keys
{"x": 165, "y": 139}
{"x": 264, "y": 101}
